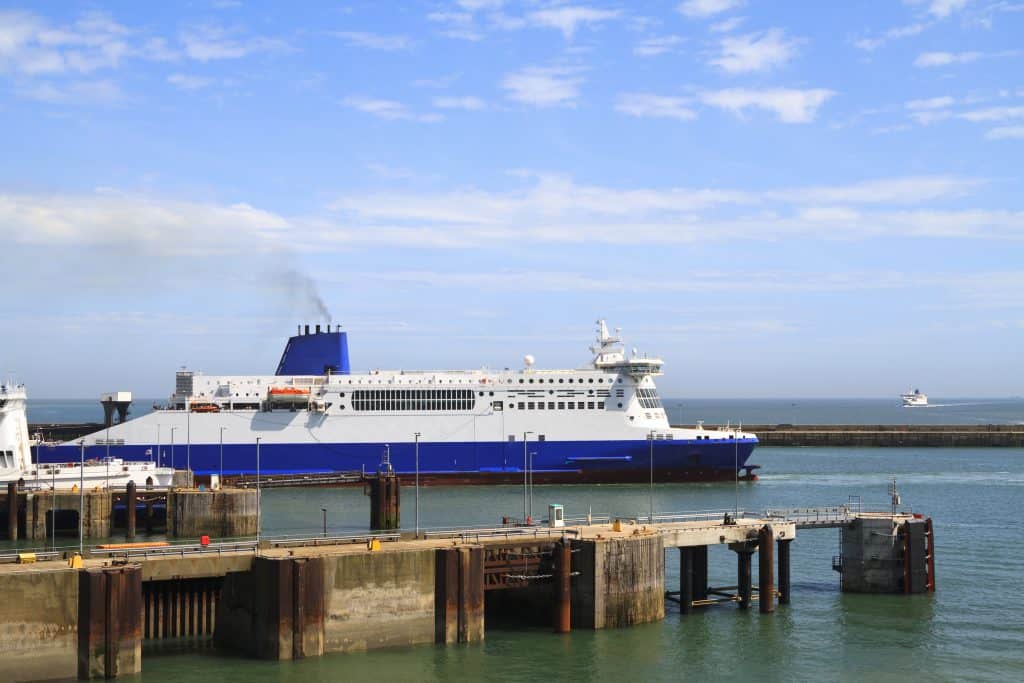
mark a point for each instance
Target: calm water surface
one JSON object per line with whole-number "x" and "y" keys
{"x": 971, "y": 629}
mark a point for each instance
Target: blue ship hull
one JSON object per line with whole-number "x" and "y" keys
{"x": 489, "y": 462}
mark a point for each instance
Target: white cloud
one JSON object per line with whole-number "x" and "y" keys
{"x": 544, "y": 86}
{"x": 32, "y": 46}
{"x": 705, "y": 8}
{"x": 650, "y": 47}
{"x": 941, "y": 8}
{"x": 102, "y": 92}
{"x": 375, "y": 41}
{"x": 154, "y": 226}
{"x": 646, "y": 105}
{"x": 459, "y": 25}
{"x": 931, "y": 103}
{"x": 727, "y": 25}
{"x": 189, "y": 81}
{"x": 467, "y": 102}
{"x": 993, "y": 114}
{"x": 754, "y": 51}
{"x": 905, "y": 190}
{"x": 933, "y": 59}
{"x": 871, "y": 44}
{"x": 1006, "y": 133}
{"x": 389, "y": 110}
{"x": 209, "y": 42}
{"x": 567, "y": 19}
{"x": 789, "y": 105}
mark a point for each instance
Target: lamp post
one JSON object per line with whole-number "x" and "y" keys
{"x": 417, "y": 447}
{"x": 532, "y": 453}
{"x": 172, "y": 446}
{"x": 526, "y": 474}
{"x": 222, "y": 453}
{"x": 259, "y": 496}
{"x": 81, "y": 498}
{"x": 188, "y": 442}
{"x": 650, "y": 437}
{"x": 158, "y": 444}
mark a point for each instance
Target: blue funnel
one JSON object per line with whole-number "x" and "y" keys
{"x": 316, "y": 353}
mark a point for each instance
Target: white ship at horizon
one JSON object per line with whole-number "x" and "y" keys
{"x": 914, "y": 399}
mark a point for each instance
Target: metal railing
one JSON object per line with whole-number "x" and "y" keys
{"x": 700, "y": 516}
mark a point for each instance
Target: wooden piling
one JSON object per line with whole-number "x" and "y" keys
{"x": 686, "y": 580}
{"x": 563, "y": 587}
{"x": 12, "y": 511}
{"x": 765, "y": 570}
{"x": 130, "y": 499}
{"x": 385, "y": 500}
{"x": 784, "y": 586}
{"x": 743, "y": 576}
{"x": 700, "y": 572}
{"x": 929, "y": 531}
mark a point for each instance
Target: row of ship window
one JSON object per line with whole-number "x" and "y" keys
{"x": 561, "y": 405}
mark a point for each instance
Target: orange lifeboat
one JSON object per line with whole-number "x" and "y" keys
{"x": 289, "y": 391}
{"x": 205, "y": 408}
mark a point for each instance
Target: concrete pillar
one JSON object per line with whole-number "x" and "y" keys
{"x": 471, "y": 594}
{"x": 12, "y": 510}
{"x": 308, "y": 607}
{"x": 109, "y": 622}
{"x": 686, "y": 580}
{"x": 446, "y": 595}
{"x": 766, "y": 570}
{"x": 130, "y": 499}
{"x": 563, "y": 587}
{"x": 743, "y": 575}
{"x": 700, "y": 572}
{"x": 224, "y": 513}
{"x": 784, "y": 587}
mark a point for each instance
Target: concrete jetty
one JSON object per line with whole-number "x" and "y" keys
{"x": 292, "y": 598}
{"x": 890, "y": 436}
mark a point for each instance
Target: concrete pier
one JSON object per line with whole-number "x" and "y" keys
{"x": 226, "y": 513}
{"x": 884, "y": 553}
{"x": 291, "y": 599}
{"x": 890, "y": 436}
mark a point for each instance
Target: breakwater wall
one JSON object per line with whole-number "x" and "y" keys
{"x": 894, "y": 436}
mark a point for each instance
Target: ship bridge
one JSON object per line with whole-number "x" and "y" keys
{"x": 609, "y": 354}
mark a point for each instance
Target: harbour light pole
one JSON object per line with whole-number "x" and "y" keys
{"x": 172, "y": 446}
{"x": 526, "y": 474}
{"x": 650, "y": 437}
{"x": 222, "y": 453}
{"x": 532, "y": 453}
{"x": 188, "y": 442}
{"x": 259, "y": 496}
{"x": 81, "y": 498}
{"x": 158, "y": 444}
{"x": 417, "y": 447}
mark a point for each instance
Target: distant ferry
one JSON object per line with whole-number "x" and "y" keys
{"x": 600, "y": 423}
{"x": 914, "y": 399}
{"x": 16, "y": 462}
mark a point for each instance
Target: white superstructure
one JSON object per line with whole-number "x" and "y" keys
{"x": 16, "y": 456}
{"x": 914, "y": 399}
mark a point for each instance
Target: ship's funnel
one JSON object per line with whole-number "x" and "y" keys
{"x": 315, "y": 354}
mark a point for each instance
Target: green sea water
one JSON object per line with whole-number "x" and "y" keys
{"x": 972, "y": 628}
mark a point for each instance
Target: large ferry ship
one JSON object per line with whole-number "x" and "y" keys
{"x": 601, "y": 423}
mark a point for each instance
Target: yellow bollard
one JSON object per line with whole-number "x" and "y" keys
{"x": 75, "y": 561}
{"x": 374, "y": 545}
{"x": 617, "y": 525}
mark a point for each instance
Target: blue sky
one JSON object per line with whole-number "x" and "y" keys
{"x": 780, "y": 198}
